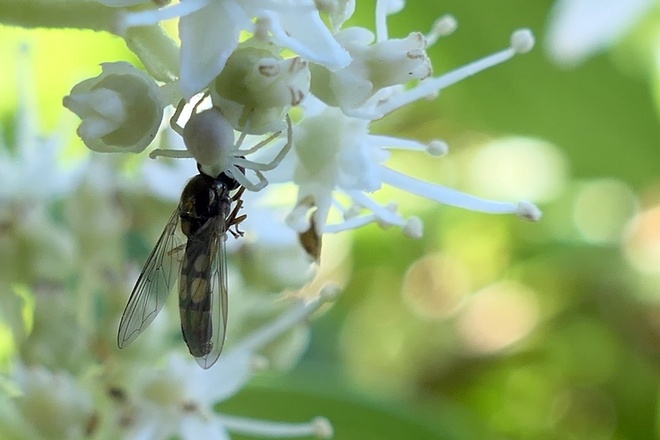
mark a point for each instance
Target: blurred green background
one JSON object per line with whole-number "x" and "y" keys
{"x": 489, "y": 327}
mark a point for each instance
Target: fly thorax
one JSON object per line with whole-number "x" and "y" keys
{"x": 202, "y": 199}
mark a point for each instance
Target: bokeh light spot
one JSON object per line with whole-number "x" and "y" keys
{"x": 642, "y": 241}
{"x": 518, "y": 168}
{"x": 435, "y": 285}
{"x": 497, "y": 316}
{"x": 602, "y": 208}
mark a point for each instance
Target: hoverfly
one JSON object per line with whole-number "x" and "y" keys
{"x": 198, "y": 260}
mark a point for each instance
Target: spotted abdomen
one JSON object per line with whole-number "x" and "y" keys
{"x": 195, "y": 290}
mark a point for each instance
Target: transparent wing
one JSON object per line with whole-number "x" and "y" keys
{"x": 218, "y": 304}
{"x": 159, "y": 274}
{"x": 203, "y": 293}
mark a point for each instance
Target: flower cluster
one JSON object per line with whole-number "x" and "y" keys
{"x": 270, "y": 93}
{"x": 63, "y": 233}
{"x": 339, "y": 78}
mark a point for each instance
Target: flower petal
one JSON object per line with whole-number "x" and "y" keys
{"x": 208, "y": 37}
{"x": 305, "y": 33}
{"x": 580, "y": 28}
{"x": 227, "y": 377}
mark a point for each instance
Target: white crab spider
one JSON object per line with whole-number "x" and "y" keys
{"x": 209, "y": 139}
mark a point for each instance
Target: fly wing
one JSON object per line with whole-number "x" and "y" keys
{"x": 154, "y": 284}
{"x": 203, "y": 293}
{"x": 218, "y": 304}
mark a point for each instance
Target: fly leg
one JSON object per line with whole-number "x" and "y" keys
{"x": 233, "y": 219}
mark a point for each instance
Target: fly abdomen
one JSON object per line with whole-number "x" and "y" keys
{"x": 195, "y": 299}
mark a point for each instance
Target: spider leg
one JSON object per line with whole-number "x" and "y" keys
{"x": 240, "y": 140}
{"x": 202, "y": 99}
{"x": 174, "y": 120}
{"x": 174, "y": 123}
{"x": 241, "y": 178}
{"x": 244, "y": 131}
{"x": 258, "y": 146}
{"x": 256, "y": 166}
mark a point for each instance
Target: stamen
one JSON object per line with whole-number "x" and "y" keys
{"x": 453, "y": 197}
{"x": 352, "y": 211}
{"x": 384, "y": 214}
{"x": 351, "y": 223}
{"x": 442, "y": 27}
{"x": 266, "y": 334}
{"x": 392, "y": 143}
{"x": 383, "y": 9}
{"x": 529, "y": 211}
{"x": 437, "y": 148}
{"x": 414, "y": 228}
{"x": 381, "y": 20}
{"x": 522, "y": 39}
{"x": 319, "y": 427}
{"x": 391, "y": 208}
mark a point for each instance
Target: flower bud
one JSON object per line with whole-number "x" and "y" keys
{"x": 121, "y": 109}
{"x": 257, "y": 88}
{"x": 53, "y": 405}
{"x": 375, "y": 66}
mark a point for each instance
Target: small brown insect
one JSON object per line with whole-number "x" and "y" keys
{"x": 206, "y": 214}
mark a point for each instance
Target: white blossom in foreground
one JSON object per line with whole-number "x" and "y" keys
{"x": 178, "y": 400}
{"x": 341, "y": 80}
{"x": 32, "y": 169}
{"x": 338, "y": 159}
{"x": 48, "y": 405}
{"x": 578, "y": 29}
{"x": 121, "y": 109}
{"x": 209, "y": 31}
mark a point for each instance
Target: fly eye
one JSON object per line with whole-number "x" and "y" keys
{"x": 229, "y": 182}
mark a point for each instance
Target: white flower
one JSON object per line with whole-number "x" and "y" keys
{"x": 34, "y": 168}
{"x": 581, "y": 28}
{"x": 338, "y": 161}
{"x": 209, "y": 32}
{"x": 338, "y": 10}
{"x": 257, "y": 88}
{"x": 49, "y": 405}
{"x": 375, "y": 66}
{"x": 178, "y": 400}
{"x": 121, "y": 109}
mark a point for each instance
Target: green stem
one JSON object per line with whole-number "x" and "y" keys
{"x": 77, "y": 14}
{"x": 154, "y": 47}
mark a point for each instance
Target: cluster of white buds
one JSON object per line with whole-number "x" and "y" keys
{"x": 341, "y": 79}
